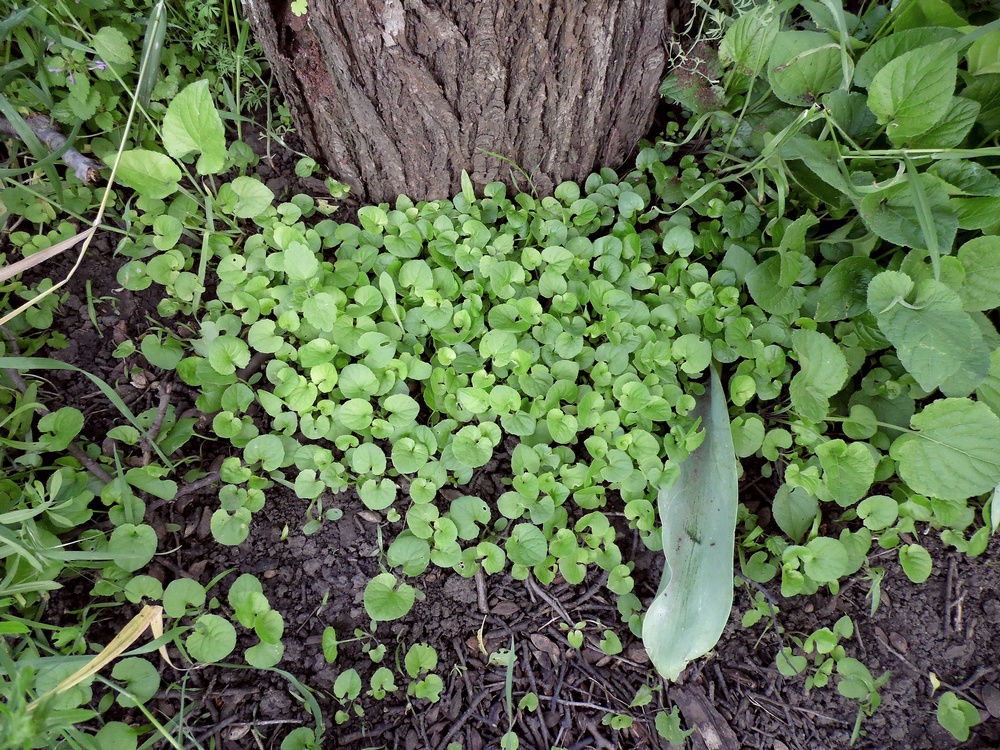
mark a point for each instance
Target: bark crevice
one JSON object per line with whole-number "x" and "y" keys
{"x": 398, "y": 96}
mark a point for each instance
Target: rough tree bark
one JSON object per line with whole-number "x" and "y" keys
{"x": 399, "y": 96}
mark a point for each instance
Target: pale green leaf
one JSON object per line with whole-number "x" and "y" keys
{"x": 950, "y": 131}
{"x": 913, "y": 92}
{"x": 803, "y": 65}
{"x": 113, "y": 47}
{"x": 253, "y": 197}
{"x": 794, "y": 510}
{"x": 150, "y": 173}
{"x": 980, "y": 257}
{"x": 698, "y": 515}
{"x": 934, "y": 337}
{"x": 749, "y": 40}
{"x": 822, "y": 373}
{"x": 893, "y": 46}
{"x": 984, "y": 54}
{"x": 892, "y": 214}
{"x": 763, "y": 283}
{"x": 952, "y": 455}
{"x": 916, "y": 562}
{"x": 192, "y": 125}
{"x": 848, "y": 470}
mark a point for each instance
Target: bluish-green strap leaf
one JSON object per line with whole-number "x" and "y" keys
{"x": 698, "y": 515}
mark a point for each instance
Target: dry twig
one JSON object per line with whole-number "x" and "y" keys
{"x": 86, "y": 170}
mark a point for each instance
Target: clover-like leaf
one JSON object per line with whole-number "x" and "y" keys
{"x": 386, "y": 598}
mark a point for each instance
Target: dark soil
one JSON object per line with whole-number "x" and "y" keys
{"x": 947, "y": 626}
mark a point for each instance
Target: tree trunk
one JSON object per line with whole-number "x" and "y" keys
{"x": 399, "y": 96}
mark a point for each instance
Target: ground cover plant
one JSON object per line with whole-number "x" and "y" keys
{"x": 810, "y": 295}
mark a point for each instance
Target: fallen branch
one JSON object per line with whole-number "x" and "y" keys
{"x": 86, "y": 170}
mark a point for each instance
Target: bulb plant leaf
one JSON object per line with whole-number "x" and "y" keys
{"x": 698, "y": 516}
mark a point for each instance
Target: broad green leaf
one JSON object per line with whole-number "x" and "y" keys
{"x": 934, "y": 337}
{"x": 61, "y": 427}
{"x": 850, "y": 111}
{"x": 212, "y": 640}
{"x": 192, "y": 125}
{"x": 848, "y": 470}
{"x": 116, "y": 735}
{"x": 131, "y": 546}
{"x": 262, "y": 337}
{"x": 988, "y": 391}
{"x": 562, "y": 426}
{"x": 916, "y": 562}
{"x": 957, "y": 715}
{"x": 803, "y": 66}
{"x": 977, "y": 213}
{"x": 410, "y": 552}
{"x": 299, "y": 262}
{"x": 965, "y": 177}
{"x": 794, "y": 510}
{"x": 985, "y": 89}
{"x": 980, "y": 257}
{"x": 822, "y": 373}
{"x": 113, "y": 47}
{"x": 182, "y": 594}
{"x": 827, "y": 560}
{"x": 920, "y": 13}
{"x": 253, "y": 197}
{"x": 951, "y": 131}
{"x": 892, "y": 215}
{"x": 355, "y": 414}
{"x": 763, "y": 283}
{"x": 357, "y": 381}
{"x": 952, "y": 453}
{"x": 347, "y": 686}
{"x": 749, "y": 40}
{"x": 878, "y": 512}
{"x": 265, "y": 655}
{"x": 913, "y": 92}
{"x": 472, "y": 447}
{"x": 231, "y": 529}
{"x": 377, "y": 494}
{"x": 148, "y": 480}
{"x": 822, "y": 159}
{"x": 984, "y": 54}
{"x": 526, "y": 545}
{"x": 893, "y": 46}
{"x": 267, "y": 449}
{"x": 151, "y": 174}
{"x": 420, "y": 659}
{"x": 227, "y": 353}
{"x": 386, "y": 598}
{"x": 698, "y": 516}
{"x": 373, "y": 219}
{"x": 748, "y": 434}
{"x": 843, "y": 292}
{"x": 141, "y": 679}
